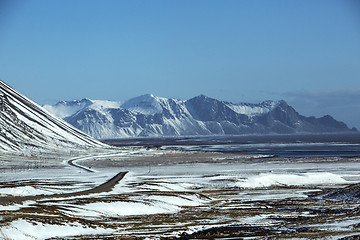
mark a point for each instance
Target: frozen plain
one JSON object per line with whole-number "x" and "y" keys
{"x": 177, "y": 194}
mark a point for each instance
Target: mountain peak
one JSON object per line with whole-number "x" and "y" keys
{"x": 202, "y": 96}
{"x": 147, "y": 104}
{"x": 64, "y": 109}
{"x": 84, "y": 101}
{"x": 145, "y": 96}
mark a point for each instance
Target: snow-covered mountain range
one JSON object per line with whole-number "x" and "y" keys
{"x": 149, "y": 115}
{"x": 24, "y": 125}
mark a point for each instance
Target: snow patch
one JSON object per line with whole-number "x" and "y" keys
{"x": 127, "y": 208}
{"x": 252, "y": 110}
{"x": 271, "y": 179}
{"x": 178, "y": 201}
{"x": 22, "y": 229}
{"x": 22, "y": 191}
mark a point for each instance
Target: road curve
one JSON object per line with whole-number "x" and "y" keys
{"x": 73, "y": 164}
{"x": 105, "y": 187}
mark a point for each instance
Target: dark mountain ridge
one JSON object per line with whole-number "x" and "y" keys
{"x": 149, "y": 115}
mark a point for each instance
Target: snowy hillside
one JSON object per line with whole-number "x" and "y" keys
{"x": 24, "y": 125}
{"x": 149, "y": 115}
{"x": 253, "y": 109}
{"x": 65, "y": 109}
{"x": 146, "y": 104}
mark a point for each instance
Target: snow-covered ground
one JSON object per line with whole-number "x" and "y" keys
{"x": 164, "y": 199}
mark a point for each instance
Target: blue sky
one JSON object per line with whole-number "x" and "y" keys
{"x": 306, "y": 52}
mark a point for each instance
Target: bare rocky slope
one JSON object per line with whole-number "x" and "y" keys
{"x": 26, "y": 126}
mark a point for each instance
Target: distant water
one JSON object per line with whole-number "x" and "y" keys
{"x": 322, "y": 145}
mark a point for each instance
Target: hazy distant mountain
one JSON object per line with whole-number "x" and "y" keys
{"x": 149, "y": 115}
{"x": 24, "y": 125}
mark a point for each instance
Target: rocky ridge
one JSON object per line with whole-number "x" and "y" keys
{"x": 149, "y": 115}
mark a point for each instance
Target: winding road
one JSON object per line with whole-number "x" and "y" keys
{"x": 104, "y": 187}
{"x": 72, "y": 163}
